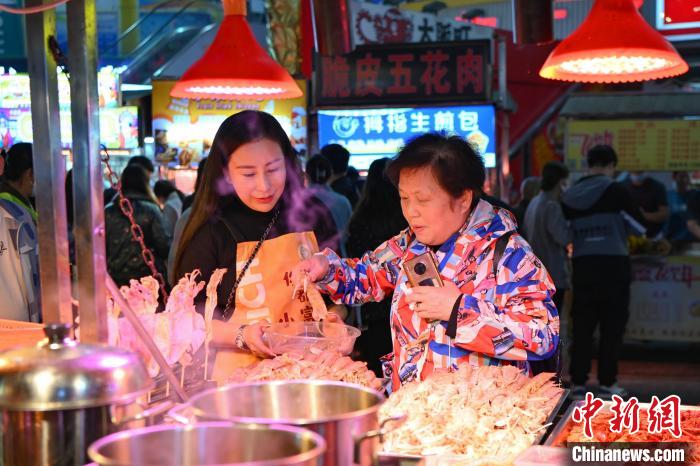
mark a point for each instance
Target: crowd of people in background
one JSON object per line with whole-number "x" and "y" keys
{"x": 578, "y": 230}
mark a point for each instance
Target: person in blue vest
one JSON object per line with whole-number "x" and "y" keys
{"x": 19, "y": 252}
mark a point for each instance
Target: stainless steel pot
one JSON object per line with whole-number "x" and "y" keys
{"x": 58, "y": 397}
{"x": 210, "y": 443}
{"x": 344, "y": 414}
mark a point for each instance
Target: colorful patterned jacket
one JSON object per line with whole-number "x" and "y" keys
{"x": 504, "y": 321}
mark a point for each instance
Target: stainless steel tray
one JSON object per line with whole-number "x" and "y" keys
{"x": 565, "y": 421}
{"x": 550, "y": 419}
{"x": 562, "y": 424}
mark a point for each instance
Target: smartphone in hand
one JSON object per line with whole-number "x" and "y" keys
{"x": 422, "y": 270}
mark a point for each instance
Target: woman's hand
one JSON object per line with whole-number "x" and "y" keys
{"x": 315, "y": 267}
{"x": 431, "y": 302}
{"x": 253, "y": 338}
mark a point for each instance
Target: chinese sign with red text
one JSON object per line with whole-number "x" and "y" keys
{"x": 406, "y": 73}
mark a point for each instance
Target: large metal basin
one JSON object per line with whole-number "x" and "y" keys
{"x": 342, "y": 413}
{"x": 209, "y": 444}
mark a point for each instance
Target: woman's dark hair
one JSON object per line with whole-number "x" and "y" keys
{"x": 135, "y": 180}
{"x": 379, "y": 194}
{"x": 215, "y": 192}
{"x": 319, "y": 169}
{"x": 143, "y": 162}
{"x": 601, "y": 155}
{"x": 454, "y": 162}
{"x": 552, "y": 173}
{"x": 18, "y": 160}
{"x": 378, "y": 213}
{"x": 200, "y": 173}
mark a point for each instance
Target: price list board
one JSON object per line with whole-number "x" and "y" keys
{"x": 641, "y": 145}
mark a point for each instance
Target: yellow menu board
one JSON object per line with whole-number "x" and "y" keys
{"x": 641, "y": 145}
{"x": 189, "y": 123}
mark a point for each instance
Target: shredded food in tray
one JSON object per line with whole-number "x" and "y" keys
{"x": 311, "y": 365}
{"x": 474, "y": 414}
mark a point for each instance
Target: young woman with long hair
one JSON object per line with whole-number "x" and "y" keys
{"x": 252, "y": 216}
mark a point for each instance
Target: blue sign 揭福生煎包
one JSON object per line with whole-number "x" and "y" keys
{"x": 370, "y": 134}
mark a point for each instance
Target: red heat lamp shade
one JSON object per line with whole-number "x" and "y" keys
{"x": 613, "y": 44}
{"x": 235, "y": 66}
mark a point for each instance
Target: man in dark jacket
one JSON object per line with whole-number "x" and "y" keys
{"x": 601, "y": 212}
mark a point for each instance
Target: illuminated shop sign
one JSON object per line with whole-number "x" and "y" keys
{"x": 14, "y": 89}
{"x": 119, "y": 127}
{"x": 370, "y": 134}
{"x": 406, "y": 74}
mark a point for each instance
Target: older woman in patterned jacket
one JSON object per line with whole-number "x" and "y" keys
{"x": 495, "y": 306}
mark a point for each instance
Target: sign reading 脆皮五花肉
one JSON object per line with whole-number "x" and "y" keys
{"x": 406, "y": 73}
{"x": 641, "y": 145}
